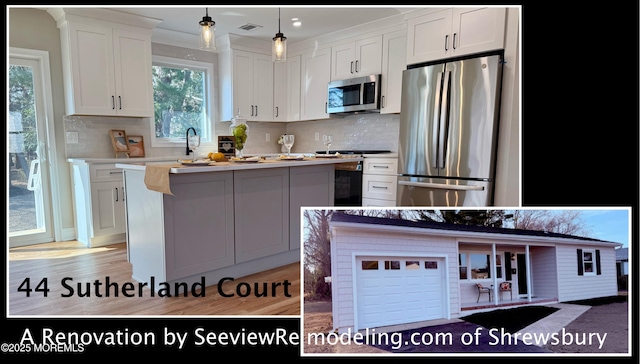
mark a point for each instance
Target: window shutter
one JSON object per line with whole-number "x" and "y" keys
{"x": 598, "y": 262}
{"x": 507, "y": 265}
{"x": 580, "y": 266}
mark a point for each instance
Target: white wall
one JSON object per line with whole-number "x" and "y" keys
{"x": 544, "y": 272}
{"x": 572, "y": 287}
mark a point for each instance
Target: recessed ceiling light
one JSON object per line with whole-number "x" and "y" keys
{"x": 296, "y": 22}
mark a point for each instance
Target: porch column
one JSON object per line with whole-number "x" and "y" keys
{"x": 528, "y": 269}
{"x": 494, "y": 274}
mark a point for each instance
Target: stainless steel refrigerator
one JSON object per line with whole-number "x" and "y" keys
{"x": 448, "y": 133}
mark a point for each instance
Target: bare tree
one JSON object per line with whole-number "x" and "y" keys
{"x": 317, "y": 252}
{"x": 563, "y": 222}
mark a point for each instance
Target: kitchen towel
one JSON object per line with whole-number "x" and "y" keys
{"x": 156, "y": 177}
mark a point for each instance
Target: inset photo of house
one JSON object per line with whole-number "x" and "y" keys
{"x": 376, "y": 273}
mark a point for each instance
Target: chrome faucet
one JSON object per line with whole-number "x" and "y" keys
{"x": 194, "y": 133}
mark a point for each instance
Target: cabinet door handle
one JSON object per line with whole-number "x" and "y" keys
{"x": 454, "y": 40}
{"x": 382, "y": 187}
{"x": 113, "y": 102}
{"x": 357, "y": 66}
{"x": 120, "y": 102}
{"x": 122, "y": 194}
{"x": 382, "y": 104}
{"x": 446, "y": 42}
{"x": 277, "y": 113}
{"x": 374, "y": 166}
{"x": 256, "y": 110}
{"x": 117, "y": 194}
{"x": 351, "y": 68}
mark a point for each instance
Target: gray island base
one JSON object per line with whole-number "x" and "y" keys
{"x": 222, "y": 222}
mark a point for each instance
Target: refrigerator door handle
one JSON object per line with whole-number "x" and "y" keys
{"x": 444, "y": 116}
{"x": 441, "y": 186}
{"x": 435, "y": 142}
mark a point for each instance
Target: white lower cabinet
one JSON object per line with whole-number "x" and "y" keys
{"x": 99, "y": 201}
{"x": 379, "y": 181}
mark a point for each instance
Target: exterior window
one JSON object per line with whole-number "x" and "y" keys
{"x": 369, "y": 265}
{"x": 498, "y": 266}
{"x": 480, "y": 266}
{"x": 462, "y": 263}
{"x": 412, "y": 265}
{"x": 588, "y": 261}
{"x": 181, "y": 94}
{"x": 431, "y": 265}
{"x": 391, "y": 264}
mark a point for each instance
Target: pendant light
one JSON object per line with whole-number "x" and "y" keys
{"x": 279, "y": 51}
{"x": 207, "y": 33}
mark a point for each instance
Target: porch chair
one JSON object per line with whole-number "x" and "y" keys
{"x": 482, "y": 289}
{"x": 506, "y": 286}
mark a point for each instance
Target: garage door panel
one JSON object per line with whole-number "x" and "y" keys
{"x": 395, "y": 296}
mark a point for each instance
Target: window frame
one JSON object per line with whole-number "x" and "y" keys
{"x": 592, "y": 261}
{"x": 207, "y": 129}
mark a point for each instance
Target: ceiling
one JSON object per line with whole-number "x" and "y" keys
{"x": 316, "y": 20}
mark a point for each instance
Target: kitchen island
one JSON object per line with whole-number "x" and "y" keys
{"x": 223, "y": 220}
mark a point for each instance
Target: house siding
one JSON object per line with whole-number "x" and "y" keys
{"x": 543, "y": 272}
{"x": 347, "y": 241}
{"x": 572, "y": 286}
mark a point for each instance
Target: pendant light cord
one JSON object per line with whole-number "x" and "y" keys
{"x": 279, "y": 21}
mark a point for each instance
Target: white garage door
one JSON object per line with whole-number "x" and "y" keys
{"x": 393, "y": 290}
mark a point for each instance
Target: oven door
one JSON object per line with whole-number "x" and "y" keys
{"x": 348, "y": 184}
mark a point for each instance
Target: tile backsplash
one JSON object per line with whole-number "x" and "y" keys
{"x": 363, "y": 131}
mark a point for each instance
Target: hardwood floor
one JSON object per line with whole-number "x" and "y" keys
{"x": 81, "y": 265}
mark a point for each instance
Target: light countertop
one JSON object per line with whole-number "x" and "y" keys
{"x": 121, "y": 160}
{"x": 232, "y": 166}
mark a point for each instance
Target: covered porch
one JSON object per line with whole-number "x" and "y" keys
{"x": 502, "y": 275}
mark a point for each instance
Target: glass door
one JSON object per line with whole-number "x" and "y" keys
{"x": 30, "y": 216}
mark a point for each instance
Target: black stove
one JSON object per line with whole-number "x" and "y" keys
{"x": 348, "y": 177}
{"x": 354, "y": 151}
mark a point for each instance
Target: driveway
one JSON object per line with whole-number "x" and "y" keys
{"x": 602, "y": 329}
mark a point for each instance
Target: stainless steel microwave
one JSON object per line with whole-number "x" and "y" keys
{"x": 354, "y": 95}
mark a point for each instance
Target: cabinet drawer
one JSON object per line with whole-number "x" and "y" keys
{"x": 105, "y": 173}
{"x": 378, "y": 186}
{"x": 387, "y": 166}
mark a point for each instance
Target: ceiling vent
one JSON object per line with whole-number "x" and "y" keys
{"x": 250, "y": 27}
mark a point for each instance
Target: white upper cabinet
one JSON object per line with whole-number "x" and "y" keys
{"x": 362, "y": 57}
{"x": 107, "y": 69}
{"x": 438, "y": 34}
{"x": 252, "y": 86}
{"x": 315, "y": 75}
{"x": 280, "y": 103}
{"x": 394, "y": 61}
{"x": 286, "y": 90}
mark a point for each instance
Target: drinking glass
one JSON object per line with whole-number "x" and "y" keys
{"x": 288, "y": 142}
{"x": 194, "y": 143}
{"x": 327, "y": 139}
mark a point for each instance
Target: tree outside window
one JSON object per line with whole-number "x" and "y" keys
{"x": 181, "y": 93}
